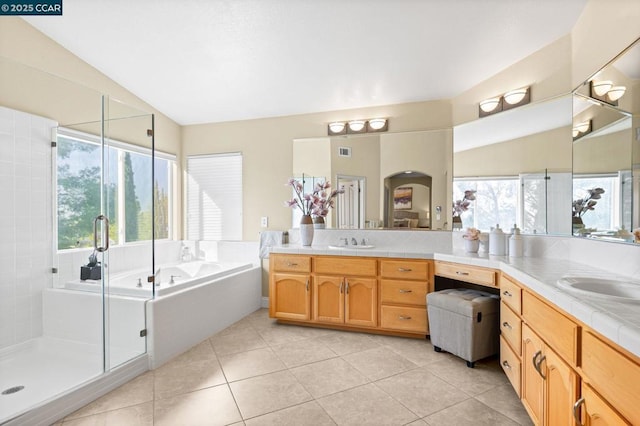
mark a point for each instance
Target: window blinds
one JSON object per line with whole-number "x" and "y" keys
{"x": 214, "y": 197}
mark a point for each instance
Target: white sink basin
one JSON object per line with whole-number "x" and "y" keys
{"x": 361, "y": 247}
{"x": 601, "y": 288}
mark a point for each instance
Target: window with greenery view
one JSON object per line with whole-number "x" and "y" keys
{"x": 128, "y": 192}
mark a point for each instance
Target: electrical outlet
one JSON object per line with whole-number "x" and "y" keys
{"x": 264, "y": 221}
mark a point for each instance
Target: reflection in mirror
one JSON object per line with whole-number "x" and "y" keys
{"x": 606, "y": 151}
{"x": 506, "y": 159}
{"x": 369, "y": 166}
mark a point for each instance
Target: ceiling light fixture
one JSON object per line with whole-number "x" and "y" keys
{"x": 489, "y": 105}
{"x": 373, "y": 125}
{"x": 602, "y": 87}
{"x": 581, "y": 129}
{"x": 515, "y": 96}
{"x": 616, "y": 92}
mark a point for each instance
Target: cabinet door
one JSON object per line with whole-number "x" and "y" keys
{"x": 289, "y": 296}
{"x": 361, "y": 301}
{"x": 532, "y": 381}
{"x": 561, "y": 390}
{"x": 328, "y": 299}
{"x": 597, "y": 412}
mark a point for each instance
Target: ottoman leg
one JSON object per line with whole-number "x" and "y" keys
{"x": 471, "y": 364}
{"x": 437, "y": 349}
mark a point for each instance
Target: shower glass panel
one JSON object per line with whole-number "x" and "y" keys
{"x": 58, "y": 332}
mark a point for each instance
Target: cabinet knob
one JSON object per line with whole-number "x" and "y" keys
{"x": 307, "y": 285}
{"x": 507, "y": 325}
{"x": 404, "y": 269}
{"x": 403, "y": 318}
{"x": 576, "y": 411}
{"x": 461, "y": 273}
{"x": 506, "y": 293}
{"x": 403, "y": 291}
{"x": 506, "y": 365}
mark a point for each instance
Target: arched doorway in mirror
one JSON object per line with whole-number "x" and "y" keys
{"x": 407, "y": 200}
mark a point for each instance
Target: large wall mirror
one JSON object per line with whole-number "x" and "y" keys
{"x": 606, "y": 151}
{"x": 391, "y": 180}
{"x": 518, "y": 162}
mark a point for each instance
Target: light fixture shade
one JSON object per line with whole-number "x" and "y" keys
{"x": 489, "y": 105}
{"x": 356, "y": 125}
{"x": 515, "y": 96}
{"x": 616, "y": 92}
{"x": 377, "y": 123}
{"x": 336, "y": 127}
{"x": 575, "y": 132}
{"x": 583, "y": 127}
{"x": 601, "y": 88}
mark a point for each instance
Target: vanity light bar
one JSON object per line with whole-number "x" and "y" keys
{"x": 372, "y": 125}
{"x": 511, "y": 99}
{"x": 606, "y": 92}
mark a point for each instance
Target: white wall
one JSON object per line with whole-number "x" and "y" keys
{"x": 25, "y": 223}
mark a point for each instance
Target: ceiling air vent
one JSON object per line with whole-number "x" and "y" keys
{"x": 344, "y": 151}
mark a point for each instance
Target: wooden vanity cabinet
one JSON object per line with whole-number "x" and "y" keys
{"x": 345, "y": 291}
{"x": 290, "y": 287}
{"x": 404, "y": 285}
{"x": 511, "y": 331}
{"x": 471, "y": 274}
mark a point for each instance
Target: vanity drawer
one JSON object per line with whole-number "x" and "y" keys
{"x": 339, "y": 265}
{"x": 511, "y": 364}
{"x": 511, "y": 294}
{"x": 558, "y": 331}
{"x": 613, "y": 375}
{"x": 405, "y": 269}
{"x": 471, "y": 274}
{"x": 405, "y": 292}
{"x": 511, "y": 328}
{"x": 404, "y": 319}
{"x": 290, "y": 263}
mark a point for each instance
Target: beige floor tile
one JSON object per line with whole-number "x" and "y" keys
{"x": 346, "y": 342}
{"x": 181, "y": 376}
{"x": 302, "y": 352}
{"x": 137, "y": 415}
{"x": 241, "y": 340}
{"x": 329, "y": 376}
{"x": 278, "y": 334}
{"x": 422, "y": 392}
{"x": 418, "y": 422}
{"x": 486, "y": 375}
{"x": 134, "y": 392}
{"x": 505, "y": 400}
{"x": 203, "y": 351}
{"x": 469, "y": 413}
{"x": 418, "y": 351}
{"x": 366, "y": 405}
{"x": 211, "y": 406}
{"x": 265, "y": 394}
{"x": 309, "y": 413}
{"x": 243, "y": 365}
{"x": 379, "y": 362}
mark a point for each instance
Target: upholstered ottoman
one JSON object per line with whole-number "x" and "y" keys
{"x": 465, "y": 323}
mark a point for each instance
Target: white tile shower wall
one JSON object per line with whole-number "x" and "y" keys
{"x": 25, "y": 223}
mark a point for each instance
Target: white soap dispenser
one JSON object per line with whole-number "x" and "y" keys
{"x": 516, "y": 244}
{"x": 497, "y": 246}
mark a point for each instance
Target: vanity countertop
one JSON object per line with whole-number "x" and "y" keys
{"x": 618, "y": 321}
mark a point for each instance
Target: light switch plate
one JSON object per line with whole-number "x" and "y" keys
{"x": 264, "y": 221}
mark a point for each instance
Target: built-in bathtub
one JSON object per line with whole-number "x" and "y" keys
{"x": 169, "y": 279}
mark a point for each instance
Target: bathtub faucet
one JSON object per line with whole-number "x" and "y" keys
{"x": 172, "y": 277}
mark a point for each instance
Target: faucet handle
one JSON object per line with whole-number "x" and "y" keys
{"x": 364, "y": 242}
{"x": 354, "y": 241}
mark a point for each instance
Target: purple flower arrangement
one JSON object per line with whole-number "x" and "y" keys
{"x": 588, "y": 202}
{"x": 316, "y": 203}
{"x": 461, "y": 206}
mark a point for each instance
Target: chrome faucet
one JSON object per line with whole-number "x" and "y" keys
{"x": 346, "y": 241}
{"x": 171, "y": 281}
{"x": 354, "y": 242}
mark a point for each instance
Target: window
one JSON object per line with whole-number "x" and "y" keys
{"x": 128, "y": 190}
{"x": 214, "y": 197}
{"x": 496, "y": 202}
{"x": 606, "y": 213}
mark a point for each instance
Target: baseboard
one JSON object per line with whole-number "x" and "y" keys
{"x": 265, "y": 302}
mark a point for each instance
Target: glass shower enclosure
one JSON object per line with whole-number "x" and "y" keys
{"x": 78, "y": 245}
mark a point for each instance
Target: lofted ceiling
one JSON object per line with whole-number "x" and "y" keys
{"x": 200, "y": 61}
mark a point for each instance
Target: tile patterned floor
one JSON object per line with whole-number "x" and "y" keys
{"x": 259, "y": 372}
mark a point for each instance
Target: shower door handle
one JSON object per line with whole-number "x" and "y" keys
{"x": 95, "y": 233}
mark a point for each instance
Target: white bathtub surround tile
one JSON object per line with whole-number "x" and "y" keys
{"x": 215, "y": 404}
